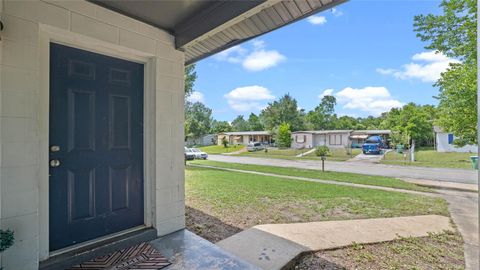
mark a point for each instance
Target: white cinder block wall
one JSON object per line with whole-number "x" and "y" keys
{"x": 444, "y": 146}
{"x": 21, "y": 131}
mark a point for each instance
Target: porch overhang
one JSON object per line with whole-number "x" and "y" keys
{"x": 203, "y": 28}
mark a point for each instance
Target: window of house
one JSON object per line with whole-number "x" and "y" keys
{"x": 450, "y": 138}
{"x": 300, "y": 138}
{"x": 335, "y": 139}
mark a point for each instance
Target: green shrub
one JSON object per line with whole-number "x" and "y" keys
{"x": 321, "y": 151}
{"x": 284, "y": 136}
{"x": 224, "y": 142}
{"x": 6, "y": 239}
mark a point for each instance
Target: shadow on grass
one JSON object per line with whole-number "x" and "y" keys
{"x": 207, "y": 226}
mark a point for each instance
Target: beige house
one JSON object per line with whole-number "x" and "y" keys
{"x": 244, "y": 137}
{"x": 92, "y": 114}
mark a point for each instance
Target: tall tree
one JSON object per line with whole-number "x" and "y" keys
{"x": 411, "y": 122}
{"x": 323, "y": 117}
{"x": 221, "y": 126}
{"x": 285, "y": 110}
{"x": 198, "y": 119}
{"x": 254, "y": 122}
{"x": 454, "y": 33}
{"x": 239, "y": 124}
{"x": 190, "y": 78}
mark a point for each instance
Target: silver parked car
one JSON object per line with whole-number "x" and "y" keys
{"x": 255, "y": 146}
{"x": 199, "y": 154}
{"x": 189, "y": 155}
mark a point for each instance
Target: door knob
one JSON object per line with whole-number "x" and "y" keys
{"x": 54, "y": 148}
{"x": 54, "y": 163}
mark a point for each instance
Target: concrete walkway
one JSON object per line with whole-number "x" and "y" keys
{"x": 463, "y": 207}
{"x": 439, "y": 174}
{"x": 273, "y": 246}
{"x": 306, "y": 153}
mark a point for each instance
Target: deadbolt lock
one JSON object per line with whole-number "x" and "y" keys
{"x": 54, "y": 163}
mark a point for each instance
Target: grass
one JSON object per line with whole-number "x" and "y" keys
{"x": 339, "y": 154}
{"x": 219, "y": 149}
{"x": 437, "y": 251}
{"x": 241, "y": 200}
{"x": 431, "y": 158}
{"x": 316, "y": 174}
{"x": 335, "y": 154}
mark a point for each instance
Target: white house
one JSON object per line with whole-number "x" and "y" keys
{"x": 92, "y": 111}
{"x": 334, "y": 138}
{"x": 313, "y": 138}
{"x": 444, "y": 142}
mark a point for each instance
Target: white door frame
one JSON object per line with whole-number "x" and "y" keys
{"x": 49, "y": 34}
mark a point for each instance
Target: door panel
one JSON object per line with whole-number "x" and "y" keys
{"x": 96, "y": 120}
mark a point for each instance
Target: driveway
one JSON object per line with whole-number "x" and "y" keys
{"x": 440, "y": 174}
{"x": 463, "y": 207}
{"x": 368, "y": 158}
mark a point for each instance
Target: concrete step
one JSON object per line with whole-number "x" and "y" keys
{"x": 275, "y": 246}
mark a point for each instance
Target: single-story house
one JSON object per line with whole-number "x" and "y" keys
{"x": 334, "y": 138}
{"x": 444, "y": 142}
{"x": 205, "y": 140}
{"x": 313, "y": 138}
{"x": 244, "y": 137}
{"x": 92, "y": 114}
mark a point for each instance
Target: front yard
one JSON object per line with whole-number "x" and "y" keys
{"x": 222, "y": 203}
{"x": 220, "y": 149}
{"x": 431, "y": 158}
{"x": 317, "y": 174}
{"x": 334, "y": 155}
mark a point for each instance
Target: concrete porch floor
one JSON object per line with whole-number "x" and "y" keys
{"x": 185, "y": 250}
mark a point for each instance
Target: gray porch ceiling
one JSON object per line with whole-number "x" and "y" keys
{"x": 204, "y": 27}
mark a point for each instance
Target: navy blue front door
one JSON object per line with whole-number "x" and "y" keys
{"x": 96, "y": 145}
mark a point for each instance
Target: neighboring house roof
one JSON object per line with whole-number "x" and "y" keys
{"x": 437, "y": 129}
{"x": 241, "y": 133}
{"x": 372, "y": 131}
{"x": 355, "y": 133}
{"x": 321, "y": 131}
{"x": 202, "y": 28}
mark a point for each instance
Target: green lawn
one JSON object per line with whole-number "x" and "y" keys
{"x": 339, "y": 154}
{"x": 217, "y": 200}
{"x": 288, "y": 153}
{"x": 316, "y": 174}
{"x": 334, "y": 155}
{"x": 431, "y": 158}
{"x": 219, "y": 149}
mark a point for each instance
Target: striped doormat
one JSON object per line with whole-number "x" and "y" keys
{"x": 139, "y": 257}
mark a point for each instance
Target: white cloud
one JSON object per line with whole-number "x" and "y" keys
{"x": 326, "y": 92}
{"x": 262, "y": 59}
{"x": 426, "y": 66}
{"x": 232, "y": 55}
{"x": 336, "y": 12}
{"x": 370, "y": 99}
{"x": 196, "y": 97}
{"x": 248, "y": 98}
{"x": 317, "y": 20}
{"x": 256, "y": 59}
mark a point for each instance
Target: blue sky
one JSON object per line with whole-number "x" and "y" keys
{"x": 363, "y": 52}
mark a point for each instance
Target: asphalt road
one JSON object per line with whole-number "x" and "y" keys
{"x": 440, "y": 174}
